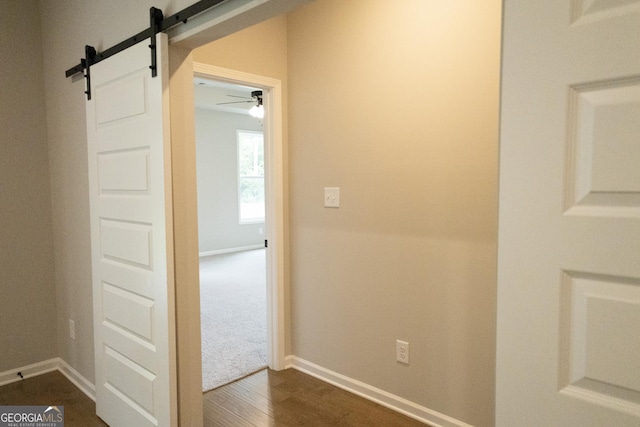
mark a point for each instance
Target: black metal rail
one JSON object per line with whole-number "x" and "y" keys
{"x": 160, "y": 25}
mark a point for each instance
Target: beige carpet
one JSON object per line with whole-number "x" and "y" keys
{"x": 233, "y": 316}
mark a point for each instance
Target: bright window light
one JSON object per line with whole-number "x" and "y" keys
{"x": 251, "y": 177}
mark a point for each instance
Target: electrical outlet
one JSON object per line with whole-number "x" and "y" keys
{"x": 72, "y": 329}
{"x": 402, "y": 351}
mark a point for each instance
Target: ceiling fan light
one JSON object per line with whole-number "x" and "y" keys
{"x": 257, "y": 111}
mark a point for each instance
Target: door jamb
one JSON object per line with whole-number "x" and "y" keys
{"x": 274, "y": 186}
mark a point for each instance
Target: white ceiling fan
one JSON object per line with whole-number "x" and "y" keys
{"x": 256, "y": 97}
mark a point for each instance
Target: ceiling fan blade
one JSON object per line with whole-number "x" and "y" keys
{"x": 235, "y": 102}
{"x": 236, "y": 96}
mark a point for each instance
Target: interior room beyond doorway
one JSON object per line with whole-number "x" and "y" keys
{"x": 231, "y": 228}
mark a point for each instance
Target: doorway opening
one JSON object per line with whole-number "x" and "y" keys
{"x": 184, "y": 67}
{"x": 230, "y": 169}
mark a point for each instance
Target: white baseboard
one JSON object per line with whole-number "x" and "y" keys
{"x": 11, "y": 376}
{"x": 57, "y": 364}
{"x": 231, "y": 250}
{"x": 374, "y": 394}
{"x": 86, "y": 386}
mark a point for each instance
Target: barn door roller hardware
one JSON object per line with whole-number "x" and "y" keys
{"x": 156, "y": 18}
{"x": 89, "y": 55}
{"x": 158, "y": 24}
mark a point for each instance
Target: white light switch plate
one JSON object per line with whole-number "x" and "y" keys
{"x": 331, "y": 197}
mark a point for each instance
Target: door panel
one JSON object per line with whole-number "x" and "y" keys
{"x": 569, "y": 233}
{"x": 130, "y": 229}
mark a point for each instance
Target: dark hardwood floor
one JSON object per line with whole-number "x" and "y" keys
{"x": 267, "y": 398}
{"x": 291, "y": 398}
{"x": 53, "y": 389}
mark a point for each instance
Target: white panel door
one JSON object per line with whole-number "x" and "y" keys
{"x": 568, "y": 350}
{"x": 133, "y": 294}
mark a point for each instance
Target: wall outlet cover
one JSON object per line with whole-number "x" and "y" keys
{"x": 402, "y": 352}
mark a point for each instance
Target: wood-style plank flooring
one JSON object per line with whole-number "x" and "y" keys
{"x": 291, "y": 398}
{"x": 268, "y": 398}
{"x": 53, "y": 389}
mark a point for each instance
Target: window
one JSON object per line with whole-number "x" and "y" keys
{"x": 250, "y": 176}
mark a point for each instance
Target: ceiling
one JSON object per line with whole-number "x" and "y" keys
{"x": 209, "y": 93}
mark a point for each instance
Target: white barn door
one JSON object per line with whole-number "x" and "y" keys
{"x": 131, "y": 239}
{"x": 568, "y": 351}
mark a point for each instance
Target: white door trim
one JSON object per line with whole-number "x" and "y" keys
{"x": 274, "y": 182}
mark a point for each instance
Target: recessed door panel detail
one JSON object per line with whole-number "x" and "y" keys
{"x": 126, "y": 242}
{"x": 129, "y": 311}
{"x": 594, "y": 10}
{"x": 134, "y": 341}
{"x": 130, "y": 345}
{"x": 601, "y": 344}
{"x": 121, "y": 98}
{"x": 131, "y": 379}
{"x": 613, "y": 358}
{"x": 604, "y": 153}
{"x": 123, "y": 171}
{"x": 128, "y": 278}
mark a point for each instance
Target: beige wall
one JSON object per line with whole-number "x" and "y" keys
{"x": 27, "y": 295}
{"x": 396, "y": 103}
{"x": 260, "y": 49}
